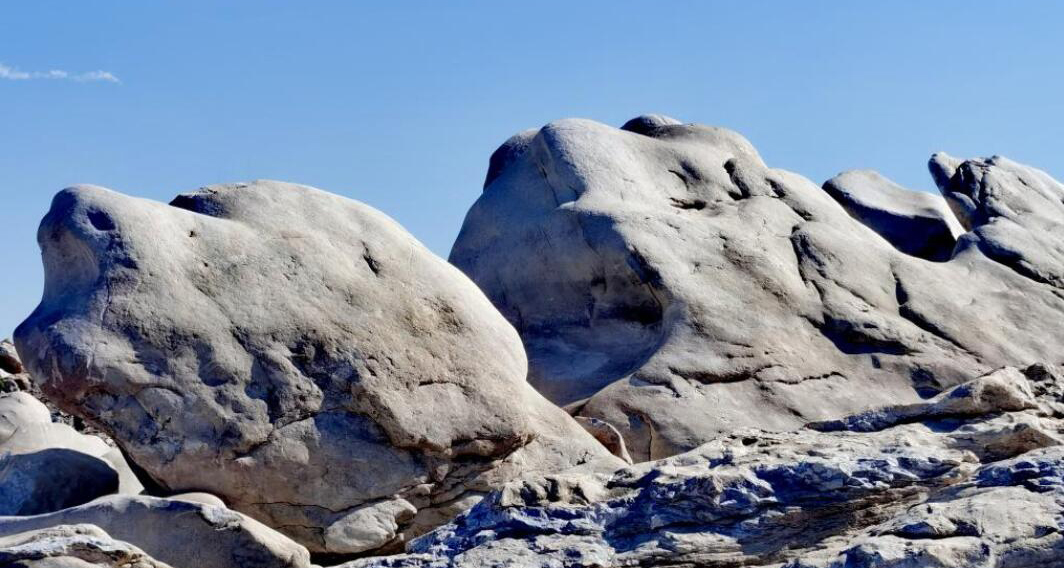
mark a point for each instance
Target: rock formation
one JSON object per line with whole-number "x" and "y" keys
{"x": 926, "y": 486}
{"x": 754, "y": 370}
{"x": 45, "y": 466}
{"x": 1013, "y": 213}
{"x": 666, "y": 281}
{"x": 177, "y": 532}
{"x": 71, "y": 546}
{"x": 916, "y": 223}
{"x": 293, "y": 352}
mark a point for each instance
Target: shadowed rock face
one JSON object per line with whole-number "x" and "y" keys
{"x": 666, "y": 281}
{"x": 294, "y": 352}
{"x": 52, "y": 479}
{"x": 916, "y": 223}
{"x": 46, "y": 466}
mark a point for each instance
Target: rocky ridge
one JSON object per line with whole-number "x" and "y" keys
{"x": 754, "y": 370}
{"x": 665, "y": 281}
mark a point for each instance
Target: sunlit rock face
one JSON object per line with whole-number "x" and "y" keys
{"x": 294, "y": 352}
{"x": 755, "y": 370}
{"x": 666, "y": 281}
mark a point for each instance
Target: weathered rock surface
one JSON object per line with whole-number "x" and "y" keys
{"x": 1014, "y": 213}
{"x": 293, "y": 352}
{"x": 9, "y": 361}
{"x": 840, "y": 377}
{"x": 607, "y": 435}
{"x": 179, "y": 533}
{"x": 45, "y": 466}
{"x": 910, "y": 493}
{"x": 71, "y": 546}
{"x": 916, "y": 223}
{"x": 666, "y": 281}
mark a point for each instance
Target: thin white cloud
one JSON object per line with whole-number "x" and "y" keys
{"x": 14, "y": 74}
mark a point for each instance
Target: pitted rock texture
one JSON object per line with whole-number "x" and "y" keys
{"x": 915, "y": 222}
{"x": 294, "y": 352}
{"x": 666, "y": 281}
{"x": 912, "y": 494}
{"x": 177, "y": 532}
{"x": 46, "y": 466}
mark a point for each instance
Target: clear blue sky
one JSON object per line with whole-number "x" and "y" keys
{"x": 399, "y": 104}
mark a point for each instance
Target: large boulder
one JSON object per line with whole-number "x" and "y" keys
{"x": 915, "y": 492}
{"x": 666, "y": 281}
{"x": 294, "y": 352}
{"x": 175, "y": 531}
{"x": 915, "y": 222}
{"x": 46, "y": 466}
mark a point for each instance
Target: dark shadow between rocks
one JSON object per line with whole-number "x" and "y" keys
{"x": 51, "y": 480}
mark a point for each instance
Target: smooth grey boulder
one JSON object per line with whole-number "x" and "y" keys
{"x": 910, "y": 494}
{"x": 647, "y": 123}
{"x": 179, "y": 533}
{"x": 915, "y": 222}
{"x": 46, "y": 466}
{"x": 1014, "y": 213}
{"x": 71, "y": 546}
{"x": 674, "y": 286}
{"x": 18, "y": 409}
{"x": 296, "y": 353}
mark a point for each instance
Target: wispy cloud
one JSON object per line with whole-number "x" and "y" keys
{"x": 14, "y": 74}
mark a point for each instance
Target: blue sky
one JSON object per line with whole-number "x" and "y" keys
{"x": 399, "y": 104}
